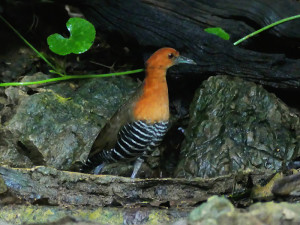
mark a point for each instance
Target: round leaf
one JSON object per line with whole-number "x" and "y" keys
{"x": 82, "y": 36}
{"x": 218, "y": 31}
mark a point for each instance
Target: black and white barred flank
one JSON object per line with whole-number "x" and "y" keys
{"x": 134, "y": 139}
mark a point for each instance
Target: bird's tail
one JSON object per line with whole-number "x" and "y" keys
{"x": 92, "y": 163}
{"x": 96, "y": 163}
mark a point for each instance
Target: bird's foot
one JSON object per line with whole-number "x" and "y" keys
{"x": 137, "y": 165}
{"x": 98, "y": 169}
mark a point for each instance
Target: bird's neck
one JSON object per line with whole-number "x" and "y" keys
{"x": 153, "y": 105}
{"x": 155, "y": 83}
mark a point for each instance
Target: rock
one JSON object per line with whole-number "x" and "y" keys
{"x": 236, "y": 125}
{"x": 214, "y": 208}
{"x": 50, "y": 215}
{"x": 276, "y": 213}
{"x": 68, "y": 220}
{"x": 19, "y": 60}
{"x": 3, "y": 187}
{"x": 2, "y": 222}
{"x": 56, "y": 124}
{"x": 217, "y": 211}
{"x": 265, "y": 192}
{"x": 287, "y": 186}
{"x": 220, "y": 211}
{"x": 51, "y": 186}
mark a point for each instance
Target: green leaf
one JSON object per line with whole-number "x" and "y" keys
{"x": 218, "y": 31}
{"x": 82, "y": 36}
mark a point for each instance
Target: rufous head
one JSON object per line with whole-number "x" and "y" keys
{"x": 164, "y": 58}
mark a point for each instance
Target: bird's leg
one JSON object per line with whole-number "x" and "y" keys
{"x": 98, "y": 169}
{"x": 137, "y": 165}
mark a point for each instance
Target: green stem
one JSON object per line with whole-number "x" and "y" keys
{"x": 26, "y": 42}
{"x": 266, "y": 27}
{"x": 68, "y": 77}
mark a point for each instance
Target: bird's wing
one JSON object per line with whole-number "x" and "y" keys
{"x": 107, "y": 137}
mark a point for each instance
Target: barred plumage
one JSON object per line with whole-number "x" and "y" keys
{"x": 134, "y": 140}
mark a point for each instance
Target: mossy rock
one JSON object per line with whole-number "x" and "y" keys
{"x": 56, "y": 124}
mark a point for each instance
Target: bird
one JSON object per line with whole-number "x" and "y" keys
{"x": 139, "y": 126}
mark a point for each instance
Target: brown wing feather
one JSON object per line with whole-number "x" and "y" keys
{"x": 107, "y": 137}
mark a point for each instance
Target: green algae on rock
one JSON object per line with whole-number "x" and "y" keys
{"x": 56, "y": 124}
{"x": 3, "y": 187}
{"x": 34, "y": 214}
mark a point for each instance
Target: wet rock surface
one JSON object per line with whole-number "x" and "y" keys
{"x": 56, "y": 124}
{"x": 49, "y": 186}
{"x": 235, "y": 124}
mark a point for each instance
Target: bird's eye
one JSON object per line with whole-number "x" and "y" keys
{"x": 171, "y": 56}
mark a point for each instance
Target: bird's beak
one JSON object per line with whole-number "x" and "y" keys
{"x": 182, "y": 59}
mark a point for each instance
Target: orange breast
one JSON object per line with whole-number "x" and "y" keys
{"x": 153, "y": 105}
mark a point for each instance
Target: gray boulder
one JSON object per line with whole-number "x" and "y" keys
{"x": 56, "y": 124}
{"x": 234, "y": 125}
